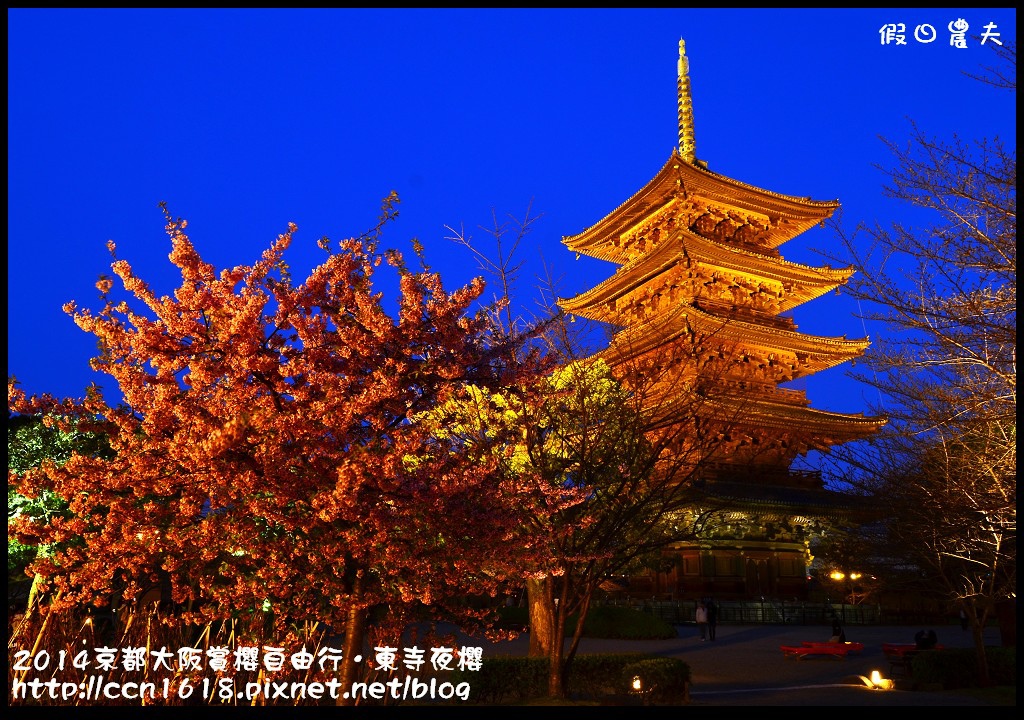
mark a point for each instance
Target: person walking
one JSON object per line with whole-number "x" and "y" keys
{"x": 702, "y": 620}
{"x": 838, "y": 634}
{"x": 712, "y": 608}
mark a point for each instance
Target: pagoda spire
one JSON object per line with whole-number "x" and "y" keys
{"x": 687, "y": 146}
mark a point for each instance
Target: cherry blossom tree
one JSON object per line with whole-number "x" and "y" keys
{"x": 267, "y": 453}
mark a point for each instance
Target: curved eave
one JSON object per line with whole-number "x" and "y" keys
{"x": 797, "y": 214}
{"x": 814, "y": 282}
{"x": 800, "y": 419}
{"x": 596, "y": 240}
{"x": 768, "y": 497}
{"x": 636, "y": 272}
{"x": 823, "y": 352}
{"x": 756, "y": 412}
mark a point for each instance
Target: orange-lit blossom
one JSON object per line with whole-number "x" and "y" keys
{"x": 267, "y": 449}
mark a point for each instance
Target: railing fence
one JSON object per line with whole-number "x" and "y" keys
{"x": 777, "y": 611}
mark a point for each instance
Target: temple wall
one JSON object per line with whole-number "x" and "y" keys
{"x": 728, "y": 574}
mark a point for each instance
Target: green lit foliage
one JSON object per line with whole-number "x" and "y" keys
{"x": 33, "y": 442}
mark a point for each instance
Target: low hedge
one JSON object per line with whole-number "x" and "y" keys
{"x": 663, "y": 680}
{"x": 506, "y": 680}
{"x": 954, "y": 668}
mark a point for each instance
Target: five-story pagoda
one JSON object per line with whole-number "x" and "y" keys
{"x": 702, "y": 289}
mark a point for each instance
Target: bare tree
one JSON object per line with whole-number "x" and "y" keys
{"x": 945, "y": 465}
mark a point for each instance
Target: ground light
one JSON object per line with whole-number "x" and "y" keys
{"x": 876, "y": 681}
{"x": 637, "y": 688}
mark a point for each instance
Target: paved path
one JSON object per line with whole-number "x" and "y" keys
{"x": 744, "y": 666}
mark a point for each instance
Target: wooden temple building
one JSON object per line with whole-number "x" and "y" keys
{"x": 702, "y": 287}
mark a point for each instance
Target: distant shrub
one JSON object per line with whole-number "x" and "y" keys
{"x": 608, "y": 622}
{"x": 626, "y": 623}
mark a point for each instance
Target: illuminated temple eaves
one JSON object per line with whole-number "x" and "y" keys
{"x": 700, "y": 305}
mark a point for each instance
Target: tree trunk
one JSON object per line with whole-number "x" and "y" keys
{"x": 547, "y": 630}
{"x": 542, "y": 621}
{"x": 984, "y": 677}
{"x": 979, "y": 618}
{"x": 355, "y": 631}
{"x": 557, "y": 682}
{"x": 556, "y": 676}
{"x": 549, "y": 618}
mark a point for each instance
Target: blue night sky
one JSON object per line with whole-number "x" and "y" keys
{"x": 245, "y": 120}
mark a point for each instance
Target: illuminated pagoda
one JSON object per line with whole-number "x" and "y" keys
{"x": 701, "y": 286}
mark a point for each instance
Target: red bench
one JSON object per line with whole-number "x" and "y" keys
{"x": 838, "y": 650}
{"x": 854, "y": 647}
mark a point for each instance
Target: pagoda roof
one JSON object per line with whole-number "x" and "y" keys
{"x": 768, "y": 497}
{"x": 748, "y": 411}
{"x": 663, "y": 328}
{"x": 812, "y": 281}
{"x": 800, "y": 418}
{"x": 789, "y": 215}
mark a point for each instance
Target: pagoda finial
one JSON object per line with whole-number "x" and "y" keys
{"x": 687, "y": 146}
